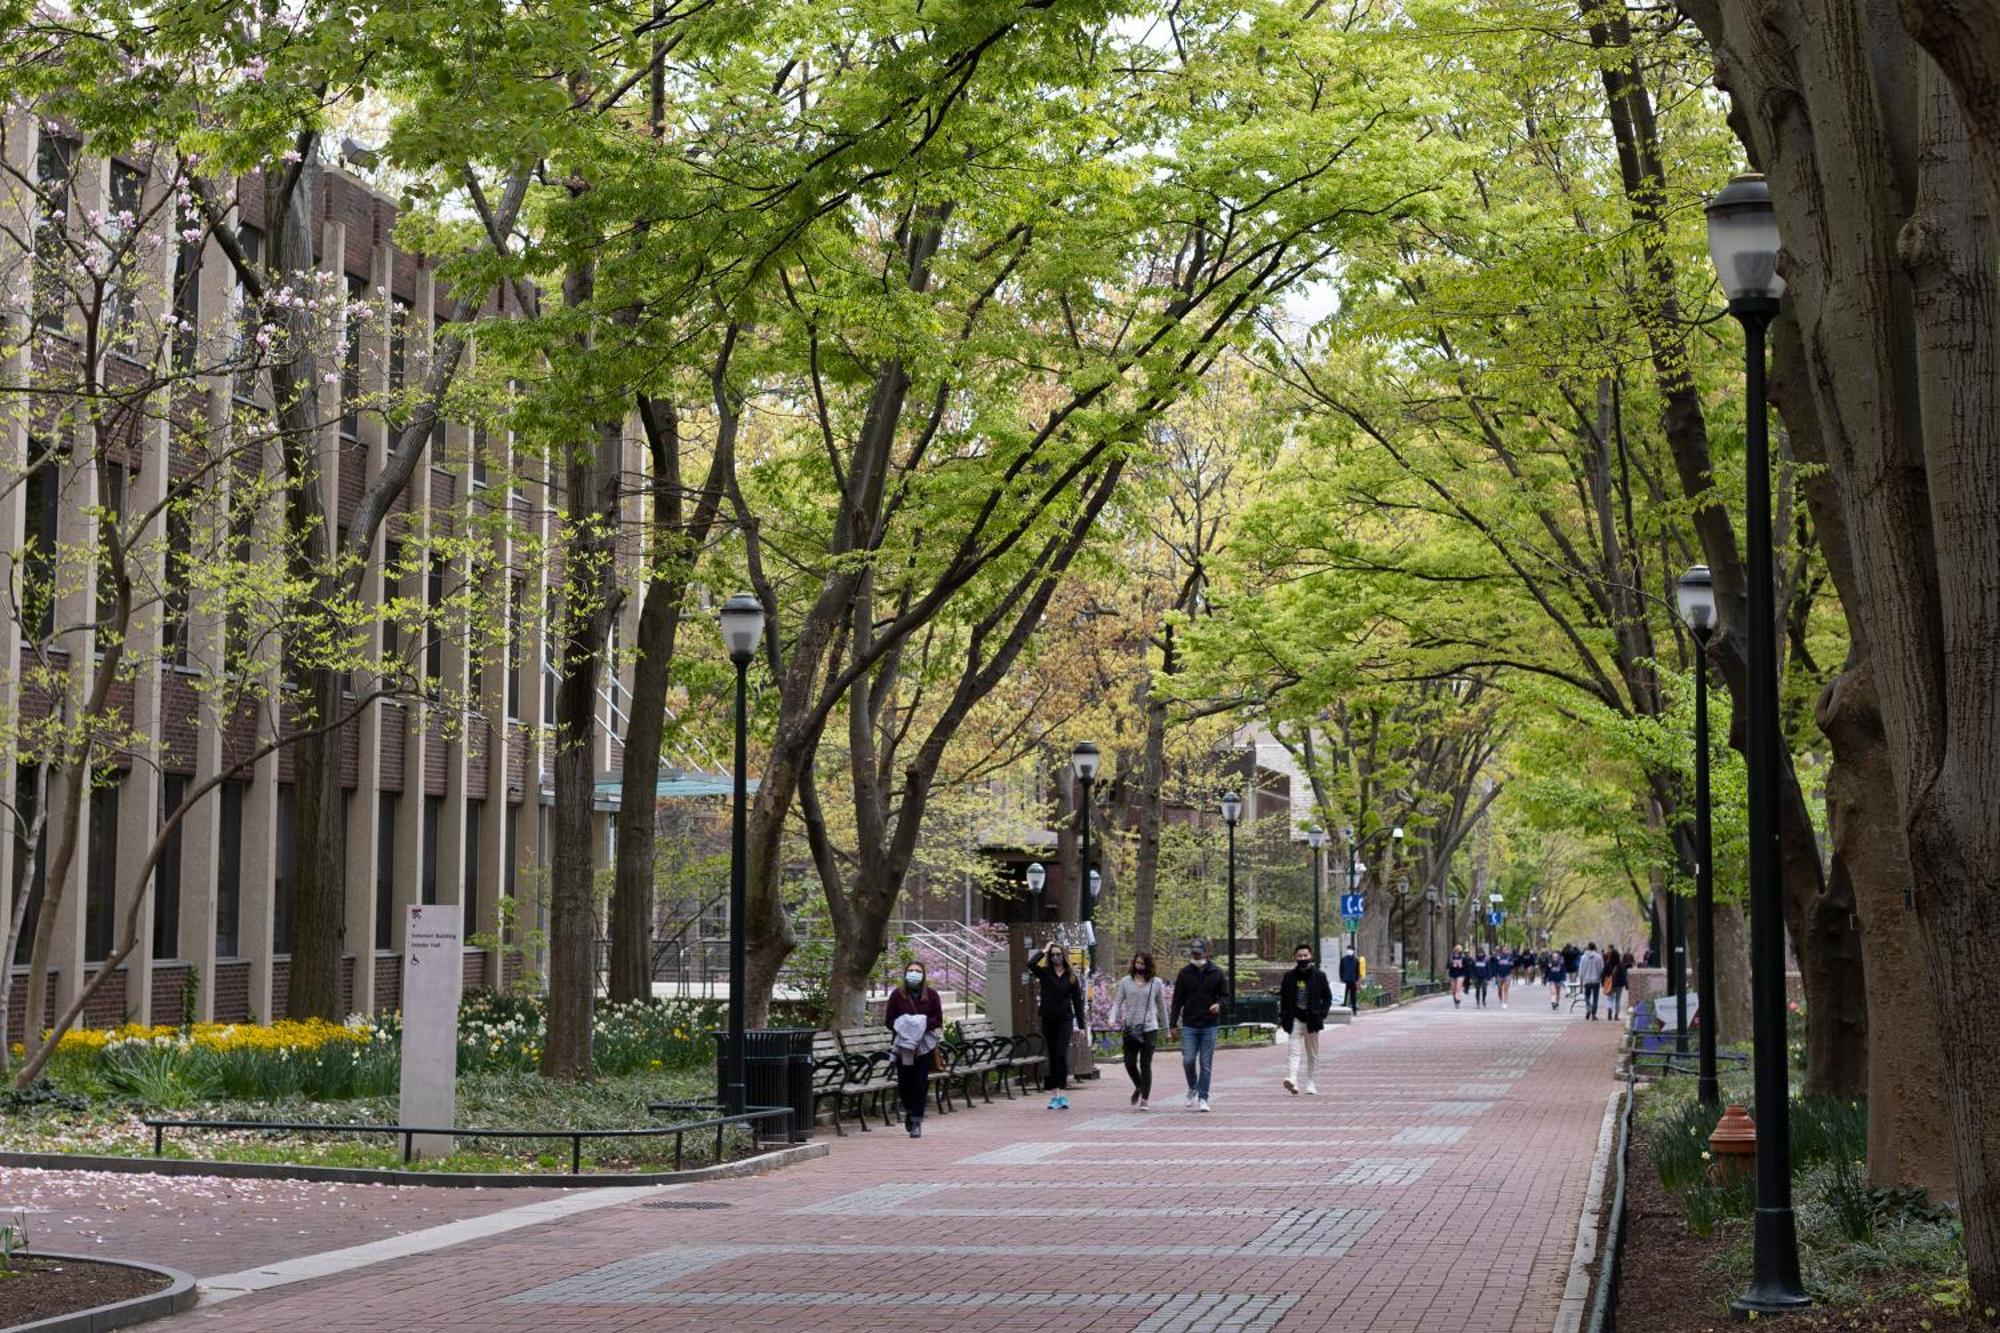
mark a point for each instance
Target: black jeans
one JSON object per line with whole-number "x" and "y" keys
{"x": 1139, "y": 1062}
{"x": 1590, "y": 993}
{"x": 1055, "y": 1036}
{"x": 913, "y": 1085}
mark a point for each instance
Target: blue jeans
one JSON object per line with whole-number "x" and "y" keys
{"x": 1198, "y": 1058}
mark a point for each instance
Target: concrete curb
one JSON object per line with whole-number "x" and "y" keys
{"x": 362, "y": 1175}
{"x": 1576, "y": 1292}
{"x": 176, "y": 1296}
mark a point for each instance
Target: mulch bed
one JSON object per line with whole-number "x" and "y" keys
{"x": 1671, "y": 1281}
{"x": 49, "y": 1287}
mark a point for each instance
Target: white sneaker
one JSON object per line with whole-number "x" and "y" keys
{"x": 1142, "y": 1103}
{"x": 1190, "y": 1099}
{"x": 1312, "y": 1090}
{"x": 1204, "y": 1107}
{"x": 1503, "y": 1004}
{"x": 1291, "y": 1086}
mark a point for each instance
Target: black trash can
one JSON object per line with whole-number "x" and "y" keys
{"x": 777, "y": 1071}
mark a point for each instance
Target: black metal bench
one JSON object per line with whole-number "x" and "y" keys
{"x": 979, "y": 1052}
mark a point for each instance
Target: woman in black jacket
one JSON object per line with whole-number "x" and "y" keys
{"x": 1061, "y": 1014}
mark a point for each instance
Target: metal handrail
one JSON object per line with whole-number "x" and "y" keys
{"x": 409, "y": 1132}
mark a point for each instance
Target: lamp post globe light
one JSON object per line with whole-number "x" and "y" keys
{"x": 1696, "y": 595}
{"x": 742, "y": 630}
{"x": 1402, "y": 917}
{"x": 1232, "y": 810}
{"x": 1037, "y": 876}
{"x": 1316, "y": 839}
{"x": 1493, "y": 901}
{"x": 1083, "y": 760}
{"x": 1744, "y": 244}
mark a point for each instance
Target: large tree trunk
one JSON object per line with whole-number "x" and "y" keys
{"x": 1909, "y": 1123}
{"x": 1730, "y": 1007}
{"x": 319, "y": 899}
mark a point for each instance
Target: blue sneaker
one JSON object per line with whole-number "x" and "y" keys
{"x": 1062, "y": 1103}
{"x": 1055, "y": 1103}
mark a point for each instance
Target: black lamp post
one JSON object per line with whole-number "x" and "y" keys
{"x": 1094, "y": 885}
{"x": 1037, "y": 876}
{"x": 1743, "y": 242}
{"x": 1697, "y": 602}
{"x": 1232, "y": 810}
{"x": 1431, "y": 909}
{"x": 1402, "y": 917}
{"x": 1316, "y": 838}
{"x": 1353, "y": 936}
{"x": 742, "y": 631}
{"x": 1083, "y": 759}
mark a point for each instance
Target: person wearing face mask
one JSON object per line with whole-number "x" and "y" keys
{"x": 1303, "y": 1002}
{"x": 916, "y": 1018}
{"x": 1201, "y": 992}
{"x": 1061, "y": 1012}
{"x": 1139, "y": 1006}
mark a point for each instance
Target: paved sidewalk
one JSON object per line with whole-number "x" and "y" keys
{"x": 1433, "y": 1186}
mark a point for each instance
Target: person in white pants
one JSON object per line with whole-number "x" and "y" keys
{"x": 1303, "y": 1002}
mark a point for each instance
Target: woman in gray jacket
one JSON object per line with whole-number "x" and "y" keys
{"x": 1140, "y": 1007}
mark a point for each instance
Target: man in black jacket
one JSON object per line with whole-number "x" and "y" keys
{"x": 1350, "y": 977}
{"x": 1303, "y": 1001}
{"x": 1201, "y": 994}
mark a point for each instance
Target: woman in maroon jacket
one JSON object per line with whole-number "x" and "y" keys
{"x": 913, "y": 1047}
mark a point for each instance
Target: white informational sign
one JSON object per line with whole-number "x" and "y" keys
{"x": 433, "y": 977}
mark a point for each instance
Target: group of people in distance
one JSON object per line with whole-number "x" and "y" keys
{"x": 1596, "y": 976}
{"x": 1142, "y": 1007}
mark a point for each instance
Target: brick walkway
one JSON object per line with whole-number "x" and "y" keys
{"x": 1434, "y": 1185}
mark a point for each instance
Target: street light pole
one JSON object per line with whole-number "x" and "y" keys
{"x": 1083, "y": 759}
{"x": 1037, "y": 875}
{"x": 742, "y": 630}
{"x": 1743, "y": 242}
{"x": 1402, "y": 917}
{"x": 1316, "y": 838}
{"x": 1232, "y": 810}
{"x": 1697, "y": 604}
{"x": 1354, "y": 935}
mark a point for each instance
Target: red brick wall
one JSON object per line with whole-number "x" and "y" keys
{"x": 106, "y": 1009}
{"x": 350, "y": 756}
{"x": 347, "y": 983}
{"x": 474, "y": 969}
{"x": 281, "y": 990}
{"x": 168, "y": 978}
{"x": 179, "y": 709}
{"x": 478, "y": 740}
{"x": 517, "y": 757}
{"x": 511, "y": 966}
{"x": 437, "y": 761}
{"x": 17, "y": 1007}
{"x": 388, "y": 983}
{"x": 393, "y": 739}
{"x": 232, "y": 992}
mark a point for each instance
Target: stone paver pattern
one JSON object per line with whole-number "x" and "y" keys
{"x": 1433, "y": 1185}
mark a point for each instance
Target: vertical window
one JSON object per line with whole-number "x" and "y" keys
{"x": 121, "y": 306}
{"x": 27, "y": 799}
{"x": 517, "y": 597}
{"x": 187, "y": 301}
{"x": 433, "y": 815}
{"x": 38, "y": 561}
{"x": 479, "y": 457}
{"x": 475, "y": 813}
{"x": 100, "y": 908}
{"x": 392, "y": 569}
{"x": 385, "y": 869}
{"x": 55, "y": 168}
{"x": 399, "y": 342}
{"x": 350, "y": 358}
{"x": 434, "y": 623}
{"x": 510, "y": 870}
{"x": 174, "y": 624}
{"x": 167, "y": 874}
{"x": 250, "y": 240}
{"x": 111, "y": 499}
{"x": 229, "y": 871}
{"x": 242, "y": 525}
{"x": 284, "y": 879}
{"x": 549, "y": 624}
